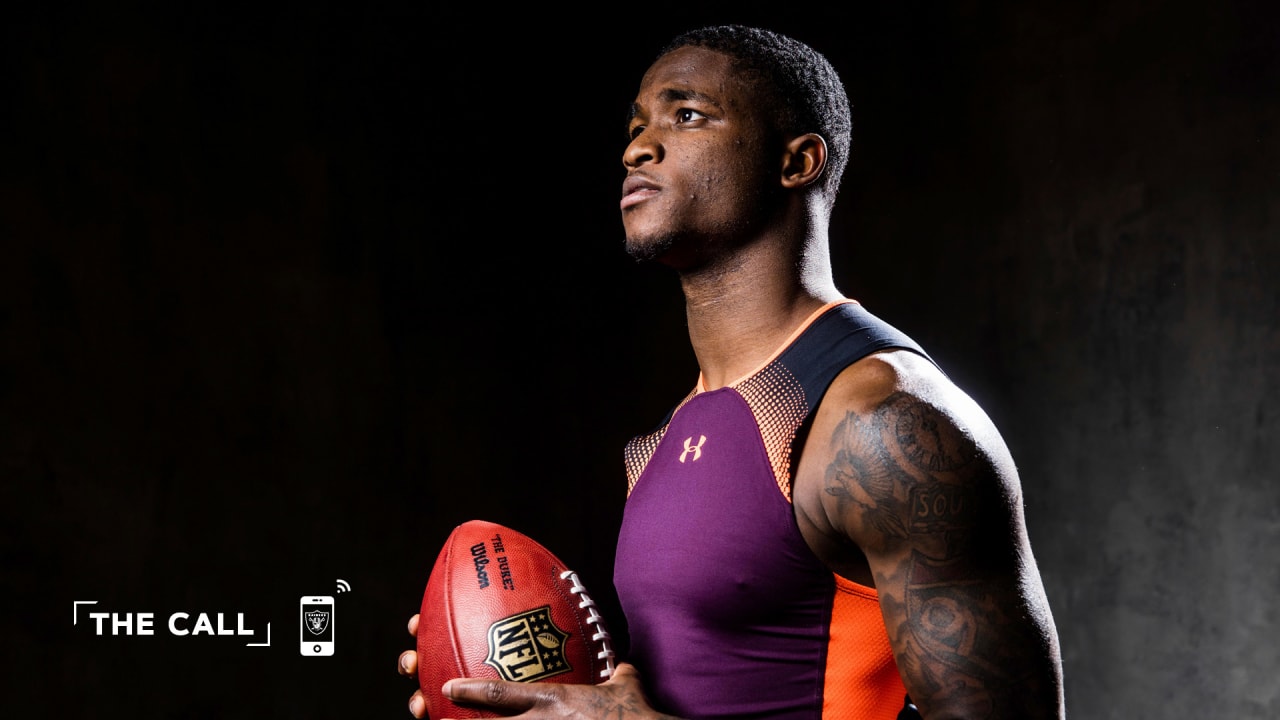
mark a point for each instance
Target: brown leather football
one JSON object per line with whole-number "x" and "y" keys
{"x": 500, "y": 605}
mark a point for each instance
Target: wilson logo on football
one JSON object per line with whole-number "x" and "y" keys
{"x": 527, "y": 647}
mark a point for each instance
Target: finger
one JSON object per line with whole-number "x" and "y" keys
{"x": 417, "y": 704}
{"x": 624, "y": 672}
{"x": 498, "y": 693}
{"x": 413, "y": 624}
{"x": 408, "y": 664}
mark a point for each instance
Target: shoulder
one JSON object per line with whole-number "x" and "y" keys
{"x": 909, "y": 390}
{"x": 895, "y": 447}
{"x": 902, "y": 391}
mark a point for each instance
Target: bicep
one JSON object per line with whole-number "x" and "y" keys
{"x": 926, "y": 490}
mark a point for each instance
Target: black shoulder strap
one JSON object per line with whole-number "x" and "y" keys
{"x": 840, "y": 337}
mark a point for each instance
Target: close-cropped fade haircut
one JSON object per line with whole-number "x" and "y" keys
{"x": 806, "y": 92}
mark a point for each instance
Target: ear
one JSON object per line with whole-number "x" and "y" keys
{"x": 803, "y": 161}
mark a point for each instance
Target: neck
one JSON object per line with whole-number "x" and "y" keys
{"x": 742, "y": 308}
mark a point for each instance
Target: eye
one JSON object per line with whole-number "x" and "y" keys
{"x": 684, "y": 115}
{"x": 634, "y": 132}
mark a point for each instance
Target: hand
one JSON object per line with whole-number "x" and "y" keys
{"x": 408, "y": 665}
{"x": 620, "y": 696}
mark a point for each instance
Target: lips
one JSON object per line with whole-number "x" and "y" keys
{"x": 636, "y": 189}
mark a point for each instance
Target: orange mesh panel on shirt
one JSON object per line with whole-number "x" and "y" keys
{"x": 640, "y": 450}
{"x": 862, "y": 679}
{"x": 777, "y": 401}
{"x": 637, "y": 454}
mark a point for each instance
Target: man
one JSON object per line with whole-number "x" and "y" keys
{"x": 825, "y": 526}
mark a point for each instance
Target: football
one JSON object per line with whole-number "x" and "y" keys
{"x": 500, "y": 605}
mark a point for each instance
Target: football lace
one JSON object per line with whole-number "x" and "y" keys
{"x": 601, "y": 635}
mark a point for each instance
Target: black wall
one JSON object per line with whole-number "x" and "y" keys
{"x": 287, "y": 294}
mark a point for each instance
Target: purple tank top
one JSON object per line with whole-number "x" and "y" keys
{"x": 726, "y": 606}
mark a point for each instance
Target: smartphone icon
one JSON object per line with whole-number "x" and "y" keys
{"x": 316, "y": 615}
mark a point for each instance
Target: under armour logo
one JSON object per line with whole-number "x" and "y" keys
{"x": 689, "y": 447}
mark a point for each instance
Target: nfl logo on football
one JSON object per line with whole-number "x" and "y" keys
{"x": 527, "y": 647}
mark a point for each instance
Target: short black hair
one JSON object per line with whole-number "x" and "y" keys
{"x": 808, "y": 93}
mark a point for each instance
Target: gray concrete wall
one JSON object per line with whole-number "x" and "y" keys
{"x": 1101, "y": 268}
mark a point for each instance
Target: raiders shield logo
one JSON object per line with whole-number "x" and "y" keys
{"x": 317, "y": 621}
{"x": 527, "y": 647}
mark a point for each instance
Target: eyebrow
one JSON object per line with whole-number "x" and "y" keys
{"x": 673, "y": 95}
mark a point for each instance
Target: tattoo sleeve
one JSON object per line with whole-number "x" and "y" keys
{"x": 943, "y": 533}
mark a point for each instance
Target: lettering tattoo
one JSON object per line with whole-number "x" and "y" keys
{"x": 924, "y": 496}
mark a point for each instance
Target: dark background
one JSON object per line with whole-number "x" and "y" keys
{"x": 286, "y": 294}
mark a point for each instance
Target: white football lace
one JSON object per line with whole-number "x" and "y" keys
{"x": 601, "y": 635}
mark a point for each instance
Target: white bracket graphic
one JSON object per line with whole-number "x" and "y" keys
{"x": 75, "y": 609}
{"x": 265, "y": 644}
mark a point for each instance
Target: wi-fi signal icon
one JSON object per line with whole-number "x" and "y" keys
{"x": 343, "y": 586}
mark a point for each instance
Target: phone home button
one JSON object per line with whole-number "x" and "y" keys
{"x": 316, "y": 649}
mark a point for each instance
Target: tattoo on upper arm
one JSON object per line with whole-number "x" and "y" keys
{"x": 897, "y": 471}
{"x": 929, "y": 441}
{"x": 918, "y": 488}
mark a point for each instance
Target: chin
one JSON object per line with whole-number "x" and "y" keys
{"x": 649, "y": 249}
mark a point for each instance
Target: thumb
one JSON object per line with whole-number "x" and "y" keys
{"x": 624, "y": 673}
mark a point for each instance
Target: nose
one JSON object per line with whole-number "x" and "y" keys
{"x": 643, "y": 148}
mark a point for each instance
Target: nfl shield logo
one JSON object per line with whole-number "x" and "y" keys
{"x": 528, "y": 646}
